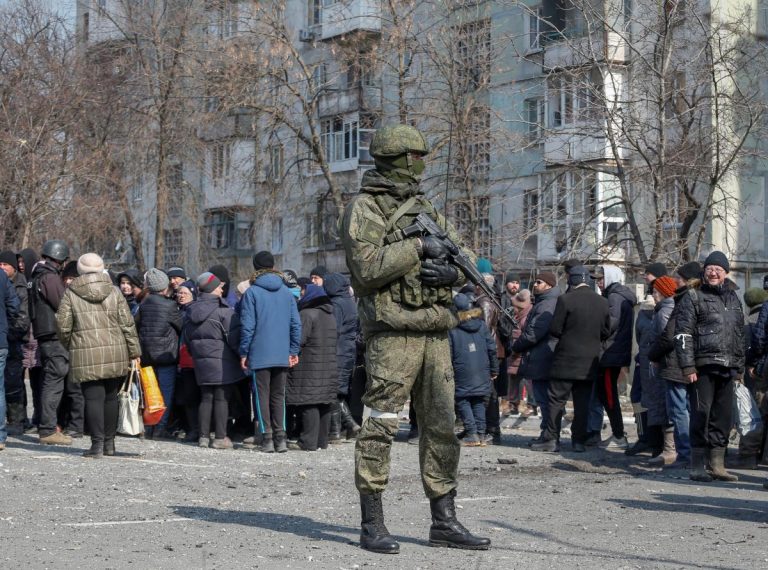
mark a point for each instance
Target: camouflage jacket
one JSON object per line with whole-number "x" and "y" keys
{"x": 385, "y": 277}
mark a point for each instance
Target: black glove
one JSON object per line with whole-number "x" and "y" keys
{"x": 438, "y": 274}
{"x": 432, "y": 248}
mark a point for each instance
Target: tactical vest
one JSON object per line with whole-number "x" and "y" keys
{"x": 409, "y": 290}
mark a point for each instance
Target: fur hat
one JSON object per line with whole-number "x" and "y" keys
{"x": 207, "y": 282}
{"x": 90, "y": 263}
{"x": 755, "y": 296}
{"x": 263, "y": 260}
{"x": 156, "y": 280}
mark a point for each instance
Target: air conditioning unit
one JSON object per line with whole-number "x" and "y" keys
{"x": 306, "y": 35}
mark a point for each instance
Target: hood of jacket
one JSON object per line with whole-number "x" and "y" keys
{"x": 315, "y": 297}
{"x": 623, "y": 290}
{"x": 374, "y": 182}
{"x": 471, "y": 320}
{"x": 336, "y": 285}
{"x": 93, "y": 287}
{"x": 199, "y": 311}
{"x": 44, "y": 266}
{"x": 271, "y": 281}
{"x": 30, "y": 257}
{"x": 548, "y": 294}
{"x": 611, "y": 275}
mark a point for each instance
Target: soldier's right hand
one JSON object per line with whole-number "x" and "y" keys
{"x": 432, "y": 248}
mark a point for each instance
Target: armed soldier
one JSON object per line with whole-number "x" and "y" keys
{"x": 404, "y": 289}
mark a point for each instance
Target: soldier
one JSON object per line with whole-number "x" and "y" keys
{"x": 404, "y": 290}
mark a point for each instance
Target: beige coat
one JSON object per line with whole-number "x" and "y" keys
{"x": 96, "y": 326}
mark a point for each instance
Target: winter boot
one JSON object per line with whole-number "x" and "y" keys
{"x": 109, "y": 447}
{"x": 374, "y": 535}
{"x": 267, "y": 445}
{"x": 281, "y": 442}
{"x": 96, "y": 451}
{"x": 334, "y": 433}
{"x": 447, "y": 531}
{"x": 717, "y": 463}
{"x": 699, "y": 465}
{"x": 347, "y": 421}
{"x": 16, "y": 419}
{"x": 669, "y": 455}
{"x": 643, "y": 440}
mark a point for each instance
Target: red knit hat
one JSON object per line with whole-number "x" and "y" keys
{"x": 665, "y": 285}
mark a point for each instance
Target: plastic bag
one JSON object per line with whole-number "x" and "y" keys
{"x": 746, "y": 415}
{"x": 154, "y": 406}
{"x": 129, "y": 421}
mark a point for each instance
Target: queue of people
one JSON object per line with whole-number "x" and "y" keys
{"x": 270, "y": 363}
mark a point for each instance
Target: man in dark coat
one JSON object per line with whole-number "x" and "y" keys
{"x": 617, "y": 352}
{"x": 18, "y": 333}
{"x": 45, "y": 294}
{"x": 581, "y": 323}
{"x": 536, "y": 344}
{"x": 313, "y": 382}
{"x": 336, "y": 287}
{"x": 709, "y": 342}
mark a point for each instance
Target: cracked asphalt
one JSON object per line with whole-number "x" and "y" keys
{"x": 168, "y": 505}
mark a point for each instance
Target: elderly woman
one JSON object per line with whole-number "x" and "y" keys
{"x": 96, "y": 326}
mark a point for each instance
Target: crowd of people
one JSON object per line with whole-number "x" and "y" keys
{"x": 272, "y": 363}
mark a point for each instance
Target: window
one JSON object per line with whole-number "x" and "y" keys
{"x": 221, "y": 161}
{"x": 339, "y": 138}
{"x": 137, "y": 191}
{"x": 574, "y": 97}
{"x": 479, "y": 144}
{"x": 101, "y": 8}
{"x": 568, "y": 206}
{"x": 320, "y": 75}
{"x": 368, "y": 125}
{"x": 534, "y": 117}
{"x": 315, "y": 12}
{"x": 474, "y": 54}
{"x": 229, "y": 229}
{"x": 533, "y": 28}
{"x": 675, "y": 103}
{"x": 277, "y": 235}
{"x": 479, "y": 236}
{"x": 223, "y": 19}
{"x": 531, "y": 210}
{"x": 172, "y": 253}
{"x": 310, "y": 231}
{"x": 673, "y": 205}
{"x": 86, "y": 26}
{"x": 408, "y": 62}
{"x": 275, "y": 173}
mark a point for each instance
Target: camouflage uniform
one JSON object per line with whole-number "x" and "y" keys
{"x": 405, "y": 324}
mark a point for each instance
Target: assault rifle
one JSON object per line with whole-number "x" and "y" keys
{"x": 426, "y": 226}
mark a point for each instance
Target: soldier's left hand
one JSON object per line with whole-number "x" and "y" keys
{"x": 438, "y": 274}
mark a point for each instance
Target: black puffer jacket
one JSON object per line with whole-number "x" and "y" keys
{"x": 336, "y": 287}
{"x": 617, "y": 351}
{"x": 314, "y": 379}
{"x": 158, "y": 322}
{"x": 18, "y": 326}
{"x": 212, "y": 335}
{"x": 663, "y": 348}
{"x": 709, "y": 330}
{"x": 535, "y": 343}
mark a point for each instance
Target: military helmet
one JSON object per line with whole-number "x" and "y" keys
{"x": 395, "y": 140}
{"x": 55, "y": 249}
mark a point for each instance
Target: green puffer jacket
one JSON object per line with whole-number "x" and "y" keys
{"x": 96, "y": 326}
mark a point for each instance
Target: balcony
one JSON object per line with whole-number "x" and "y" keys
{"x": 570, "y": 145}
{"x": 562, "y": 50}
{"x": 350, "y": 17}
{"x": 341, "y": 101}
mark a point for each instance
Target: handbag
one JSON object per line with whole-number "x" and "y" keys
{"x": 129, "y": 421}
{"x": 154, "y": 406}
{"x": 746, "y": 415}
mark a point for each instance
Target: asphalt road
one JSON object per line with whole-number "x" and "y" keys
{"x": 168, "y": 505}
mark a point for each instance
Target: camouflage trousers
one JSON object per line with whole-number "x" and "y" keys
{"x": 400, "y": 364}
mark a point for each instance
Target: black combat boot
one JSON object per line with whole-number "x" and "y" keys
{"x": 96, "y": 451}
{"x": 347, "y": 421}
{"x": 109, "y": 447}
{"x": 281, "y": 442}
{"x": 374, "y": 535}
{"x": 447, "y": 531}
{"x": 642, "y": 444}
